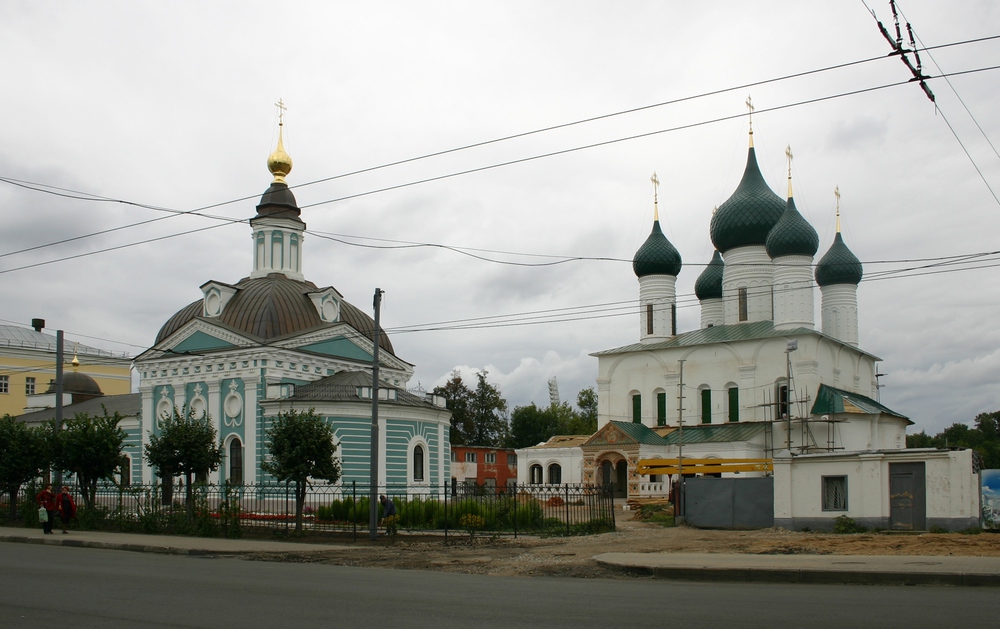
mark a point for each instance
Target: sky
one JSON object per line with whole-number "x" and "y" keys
{"x": 171, "y": 106}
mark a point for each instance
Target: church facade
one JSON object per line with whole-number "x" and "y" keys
{"x": 273, "y": 341}
{"x": 761, "y": 378}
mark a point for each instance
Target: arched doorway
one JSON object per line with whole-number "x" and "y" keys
{"x": 621, "y": 479}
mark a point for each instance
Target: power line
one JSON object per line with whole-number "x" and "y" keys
{"x": 64, "y": 192}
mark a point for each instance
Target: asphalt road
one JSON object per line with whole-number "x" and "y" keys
{"x": 42, "y": 586}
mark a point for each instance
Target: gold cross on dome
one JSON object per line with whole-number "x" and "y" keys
{"x": 281, "y": 110}
{"x": 836, "y": 193}
{"x": 656, "y": 195}
{"x": 749, "y": 105}
{"x": 788, "y": 154}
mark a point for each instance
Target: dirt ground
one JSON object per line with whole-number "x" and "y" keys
{"x": 573, "y": 556}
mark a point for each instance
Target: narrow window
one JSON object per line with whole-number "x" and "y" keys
{"x": 637, "y": 409}
{"x": 555, "y": 474}
{"x": 783, "y": 401}
{"x": 673, "y": 319}
{"x": 4, "y": 384}
{"x": 734, "y": 404}
{"x": 512, "y": 460}
{"x": 29, "y": 386}
{"x": 661, "y": 409}
{"x": 649, "y": 318}
{"x": 418, "y": 463}
{"x": 834, "y": 493}
{"x": 743, "y": 303}
{"x": 236, "y": 462}
{"x": 706, "y": 406}
{"x": 126, "y": 470}
{"x": 454, "y": 456}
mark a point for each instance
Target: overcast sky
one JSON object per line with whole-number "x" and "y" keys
{"x": 171, "y": 105}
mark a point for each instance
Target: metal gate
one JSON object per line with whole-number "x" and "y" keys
{"x": 907, "y": 497}
{"x": 729, "y": 503}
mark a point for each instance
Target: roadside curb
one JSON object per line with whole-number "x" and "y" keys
{"x": 810, "y": 576}
{"x": 139, "y": 548}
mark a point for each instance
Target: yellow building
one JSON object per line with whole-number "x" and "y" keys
{"x": 28, "y": 367}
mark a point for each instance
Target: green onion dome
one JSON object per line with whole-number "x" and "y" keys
{"x": 793, "y": 235}
{"x": 839, "y": 265}
{"x": 709, "y": 284}
{"x": 749, "y": 214}
{"x": 656, "y": 256}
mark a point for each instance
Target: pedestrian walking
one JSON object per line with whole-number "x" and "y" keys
{"x": 67, "y": 508}
{"x": 47, "y": 501}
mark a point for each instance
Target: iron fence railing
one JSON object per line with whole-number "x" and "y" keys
{"x": 233, "y": 510}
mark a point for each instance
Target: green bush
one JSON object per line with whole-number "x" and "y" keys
{"x": 844, "y": 525}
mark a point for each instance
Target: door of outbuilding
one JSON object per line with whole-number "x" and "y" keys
{"x": 907, "y": 497}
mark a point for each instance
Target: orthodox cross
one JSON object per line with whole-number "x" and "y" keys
{"x": 281, "y": 110}
{"x": 836, "y": 193}
{"x": 656, "y": 196}
{"x": 749, "y": 105}
{"x": 788, "y": 154}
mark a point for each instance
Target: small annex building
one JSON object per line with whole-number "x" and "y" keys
{"x": 482, "y": 468}
{"x": 763, "y": 379}
{"x": 274, "y": 341}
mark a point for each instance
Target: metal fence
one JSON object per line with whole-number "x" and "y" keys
{"x": 234, "y": 510}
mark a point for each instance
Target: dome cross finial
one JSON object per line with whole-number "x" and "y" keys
{"x": 788, "y": 154}
{"x": 836, "y": 193}
{"x": 750, "y": 109}
{"x": 656, "y": 196}
{"x": 279, "y": 162}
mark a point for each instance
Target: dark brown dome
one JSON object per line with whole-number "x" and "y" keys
{"x": 271, "y": 307}
{"x": 77, "y": 384}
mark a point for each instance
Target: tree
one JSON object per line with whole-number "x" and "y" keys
{"x": 23, "y": 456}
{"x": 984, "y": 438}
{"x": 587, "y": 401}
{"x": 91, "y": 448}
{"x": 530, "y": 425}
{"x": 301, "y": 447}
{"x": 186, "y": 445}
{"x": 457, "y": 400}
{"x": 489, "y": 414}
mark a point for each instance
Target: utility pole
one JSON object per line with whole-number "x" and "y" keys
{"x": 790, "y": 346}
{"x": 373, "y": 490}
{"x": 680, "y": 443}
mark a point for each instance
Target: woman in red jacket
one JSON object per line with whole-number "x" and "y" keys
{"x": 47, "y": 500}
{"x": 66, "y": 506}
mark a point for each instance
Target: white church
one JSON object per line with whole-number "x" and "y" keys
{"x": 761, "y": 379}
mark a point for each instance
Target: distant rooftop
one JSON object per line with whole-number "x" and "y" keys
{"x": 27, "y": 338}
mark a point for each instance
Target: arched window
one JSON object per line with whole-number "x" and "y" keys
{"x": 126, "y": 470}
{"x": 742, "y": 297}
{"x": 236, "y": 461}
{"x": 781, "y": 400}
{"x": 734, "y": 403}
{"x": 555, "y": 474}
{"x": 535, "y": 472}
{"x": 706, "y": 406}
{"x": 418, "y": 463}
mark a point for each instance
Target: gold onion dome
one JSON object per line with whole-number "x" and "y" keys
{"x": 279, "y": 162}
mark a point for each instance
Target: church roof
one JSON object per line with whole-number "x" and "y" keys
{"x": 79, "y": 383}
{"x": 715, "y": 433}
{"x": 747, "y": 216}
{"x": 709, "y": 284}
{"x": 839, "y": 265}
{"x": 345, "y": 386}
{"x": 278, "y": 201}
{"x": 725, "y": 334}
{"x": 656, "y": 256}
{"x": 275, "y": 306}
{"x": 128, "y": 405}
{"x": 831, "y": 401}
{"x": 792, "y": 235}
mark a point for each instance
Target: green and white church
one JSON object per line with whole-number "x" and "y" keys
{"x": 274, "y": 341}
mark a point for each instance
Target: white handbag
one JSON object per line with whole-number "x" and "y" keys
{"x": 43, "y": 515}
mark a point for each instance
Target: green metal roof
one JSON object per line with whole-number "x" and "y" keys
{"x": 839, "y": 265}
{"x": 831, "y": 401}
{"x": 638, "y": 433}
{"x": 793, "y": 235}
{"x": 716, "y": 433}
{"x": 726, "y": 334}
{"x": 656, "y": 256}
{"x": 709, "y": 284}
{"x": 748, "y": 215}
